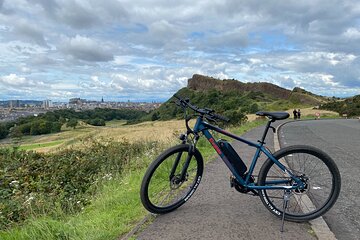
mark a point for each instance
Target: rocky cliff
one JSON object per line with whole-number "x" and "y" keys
{"x": 204, "y": 83}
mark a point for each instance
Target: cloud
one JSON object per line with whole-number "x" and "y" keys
{"x": 80, "y": 14}
{"x": 14, "y": 85}
{"x": 87, "y": 49}
{"x": 13, "y": 80}
{"x": 30, "y": 33}
{"x": 147, "y": 49}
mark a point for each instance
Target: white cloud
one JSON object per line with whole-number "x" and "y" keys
{"x": 25, "y": 69}
{"x": 143, "y": 48}
{"x": 13, "y": 85}
{"x": 352, "y": 33}
{"x": 14, "y": 80}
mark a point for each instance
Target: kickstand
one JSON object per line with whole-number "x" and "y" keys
{"x": 287, "y": 193}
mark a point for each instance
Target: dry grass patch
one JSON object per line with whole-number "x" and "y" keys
{"x": 305, "y": 112}
{"x": 146, "y": 131}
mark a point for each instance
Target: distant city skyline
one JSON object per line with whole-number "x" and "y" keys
{"x": 141, "y": 50}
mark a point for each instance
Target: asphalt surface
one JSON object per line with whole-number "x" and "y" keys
{"x": 341, "y": 140}
{"x": 217, "y": 211}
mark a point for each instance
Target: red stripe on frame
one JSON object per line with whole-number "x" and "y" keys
{"x": 217, "y": 149}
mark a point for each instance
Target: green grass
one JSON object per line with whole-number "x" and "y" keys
{"x": 40, "y": 145}
{"x": 114, "y": 210}
{"x": 115, "y": 123}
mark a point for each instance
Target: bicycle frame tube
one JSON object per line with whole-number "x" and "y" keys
{"x": 204, "y": 127}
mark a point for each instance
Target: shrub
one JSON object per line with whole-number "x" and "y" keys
{"x": 96, "y": 122}
{"x": 36, "y": 184}
{"x": 72, "y": 123}
{"x": 3, "y": 131}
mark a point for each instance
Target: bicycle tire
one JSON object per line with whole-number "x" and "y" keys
{"x": 155, "y": 180}
{"x": 320, "y": 174}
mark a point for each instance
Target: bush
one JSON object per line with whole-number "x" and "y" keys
{"x": 236, "y": 117}
{"x": 350, "y": 107}
{"x": 96, "y": 122}
{"x": 3, "y": 131}
{"x": 72, "y": 123}
{"x": 35, "y": 184}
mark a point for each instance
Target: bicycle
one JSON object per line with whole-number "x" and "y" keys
{"x": 301, "y": 173}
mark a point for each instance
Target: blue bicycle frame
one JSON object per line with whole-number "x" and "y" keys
{"x": 204, "y": 127}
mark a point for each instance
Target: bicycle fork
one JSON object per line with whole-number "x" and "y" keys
{"x": 186, "y": 164}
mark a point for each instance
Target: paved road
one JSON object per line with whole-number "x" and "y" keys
{"x": 341, "y": 140}
{"x": 217, "y": 211}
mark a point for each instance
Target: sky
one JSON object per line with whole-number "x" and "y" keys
{"x": 146, "y": 50}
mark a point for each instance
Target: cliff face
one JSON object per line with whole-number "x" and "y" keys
{"x": 203, "y": 83}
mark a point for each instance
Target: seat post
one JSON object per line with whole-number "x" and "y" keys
{"x": 262, "y": 141}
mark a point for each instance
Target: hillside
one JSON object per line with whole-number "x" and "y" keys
{"x": 203, "y": 83}
{"x": 349, "y": 106}
{"x": 299, "y": 95}
{"x": 235, "y": 99}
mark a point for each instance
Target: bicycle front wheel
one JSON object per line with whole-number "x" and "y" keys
{"x": 171, "y": 179}
{"x": 315, "y": 169}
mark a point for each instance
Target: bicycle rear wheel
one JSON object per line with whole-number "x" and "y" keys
{"x": 162, "y": 189}
{"x": 316, "y": 170}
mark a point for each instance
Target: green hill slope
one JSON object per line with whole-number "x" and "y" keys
{"x": 235, "y": 99}
{"x": 349, "y": 106}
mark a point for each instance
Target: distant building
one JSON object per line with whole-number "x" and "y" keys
{"x": 76, "y": 101}
{"x": 14, "y": 103}
{"x": 47, "y": 104}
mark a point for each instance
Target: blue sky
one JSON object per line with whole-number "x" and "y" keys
{"x": 147, "y": 50}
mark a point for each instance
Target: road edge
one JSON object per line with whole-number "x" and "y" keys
{"x": 318, "y": 225}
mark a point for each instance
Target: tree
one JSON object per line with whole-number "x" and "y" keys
{"x": 3, "y": 131}
{"x": 96, "y": 122}
{"x": 73, "y": 122}
{"x": 56, "y": 127}
{"x": 236, "y": 117}
{"x": 15, "y": 132}
{"x": 254, "y": 108}
{"x": 155, "y": 116}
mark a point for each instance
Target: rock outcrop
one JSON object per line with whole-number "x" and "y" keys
{"x": 204, "y": 83}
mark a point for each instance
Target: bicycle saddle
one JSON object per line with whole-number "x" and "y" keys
{"x": 274, "y": 115}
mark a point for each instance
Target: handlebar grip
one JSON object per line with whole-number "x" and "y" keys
{"x": 222, "y": 118}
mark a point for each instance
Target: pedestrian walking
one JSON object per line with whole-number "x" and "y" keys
{"x": 299, "y": 114}
{"x": 295, "y": 114}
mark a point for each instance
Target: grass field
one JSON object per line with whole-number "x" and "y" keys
{"x": 114, "y": 130}
{"x": 117, "y": 130}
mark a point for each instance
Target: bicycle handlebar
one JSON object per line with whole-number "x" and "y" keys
{"x": 207, "y": 112}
